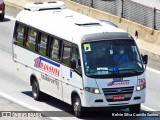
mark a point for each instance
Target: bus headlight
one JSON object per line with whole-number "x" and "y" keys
{"x": 141, "y": 87}
{"x": 92, "y": 90}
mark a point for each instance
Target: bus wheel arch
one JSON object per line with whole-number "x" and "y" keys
{"x": 36, "y": 93}
{"x": 76, "y": 104}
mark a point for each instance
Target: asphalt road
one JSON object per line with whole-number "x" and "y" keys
{"x": 16, "y": 90}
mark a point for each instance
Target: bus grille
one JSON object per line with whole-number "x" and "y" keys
{"x": 125, "y": 92}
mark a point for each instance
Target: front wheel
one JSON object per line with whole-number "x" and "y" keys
{"x": 77, "y": 108}
{"x": 135, "y": 108}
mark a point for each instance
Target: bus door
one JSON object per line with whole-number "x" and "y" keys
{"x": 71, "y": 78}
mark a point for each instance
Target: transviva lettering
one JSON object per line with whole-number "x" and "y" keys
{"x": 117, "y": 83}
{"x": 47, "y": 67}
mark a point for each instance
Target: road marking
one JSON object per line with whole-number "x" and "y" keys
{"x": 147, "y": 108}
{"x": 10, "y": 17}
{"x": 10, "y": 98}
{"x": 153, "y": 70}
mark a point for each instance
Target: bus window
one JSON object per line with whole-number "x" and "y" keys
{"x": 66, "y": 54}
{"x": 42, "y": 44}
{"x": 55, "y": 46}
{"x": 76, "y": 57}
{"x": 31, "y": 43}
{"x": 20, "y": 35}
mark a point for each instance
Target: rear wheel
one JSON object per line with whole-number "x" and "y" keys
{"x": 135, "y": 108}
{"x": 37, "y": 94}
{"x": 77, "y": 108}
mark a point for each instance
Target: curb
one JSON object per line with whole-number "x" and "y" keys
{"x": 13, "y": 5}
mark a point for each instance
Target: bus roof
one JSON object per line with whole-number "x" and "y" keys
{"x": 62, "y": 22}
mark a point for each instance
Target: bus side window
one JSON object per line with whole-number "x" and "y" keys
{"x": 66, "y": 54}
{"x": 55, "y": 46}
{"x": 75, "y": 57}
{"x": 42, "y": 44}
{"x": 31, "y": 41}
{"x": 19, "y": 37}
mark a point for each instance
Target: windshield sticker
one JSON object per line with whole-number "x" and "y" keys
{"x": 102, "y": 70}
{"x": 118, "y": 83}
{"x": 111, "y": 52}
{"x": 87, "y": 47}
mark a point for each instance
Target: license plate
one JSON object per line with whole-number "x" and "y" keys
{"x": 118, "y": 97}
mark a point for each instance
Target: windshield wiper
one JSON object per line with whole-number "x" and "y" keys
{"x": 106, "y": 70}
{"x": 129, "y": 70}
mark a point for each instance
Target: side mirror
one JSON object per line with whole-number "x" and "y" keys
{"x": 145, "y": 59}
{"x": 73, "y": 64}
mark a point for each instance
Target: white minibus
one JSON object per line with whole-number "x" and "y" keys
{"x": 77, "y": 59}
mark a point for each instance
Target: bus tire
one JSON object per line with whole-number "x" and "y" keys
{"x": 77, "y": 108}
{"x": 37, "y": 94}
{"x": 135, "y": 108}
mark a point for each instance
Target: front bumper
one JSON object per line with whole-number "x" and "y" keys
{"x": 99, "y": 100}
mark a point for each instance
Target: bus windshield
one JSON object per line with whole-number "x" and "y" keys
{"x": 111, "y": 57}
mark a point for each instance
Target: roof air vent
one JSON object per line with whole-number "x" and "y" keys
{"x": 52, "y": 2}
{"x": 38, "y": 3}
{"x": 88, "y": 24}
{"x": 40, "y": 6}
